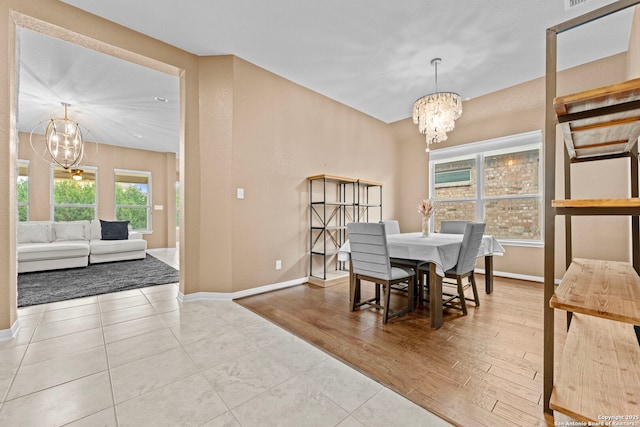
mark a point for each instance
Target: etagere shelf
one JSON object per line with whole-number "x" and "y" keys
{"x": 599, "y": 370}
{"x": 335, "y": 201}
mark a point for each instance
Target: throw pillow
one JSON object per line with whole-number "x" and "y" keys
{"x": 71, "y": 230}
{"x": 34, "y": 232}
{"x": 114, "y": 230}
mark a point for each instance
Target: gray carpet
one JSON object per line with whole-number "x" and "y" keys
{"x": 57, "y": 285}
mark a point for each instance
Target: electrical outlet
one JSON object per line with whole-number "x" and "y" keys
{"x": 240, "y": 193}
{"x": 278, "y": 264}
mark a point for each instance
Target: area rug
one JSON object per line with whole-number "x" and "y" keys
{"x": 58, "y": 285}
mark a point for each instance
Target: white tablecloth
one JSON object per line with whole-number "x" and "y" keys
{"x": 440, "y": 248}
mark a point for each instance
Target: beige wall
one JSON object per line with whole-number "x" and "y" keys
{"x": 281, "y": 134}
{"x": 633, "y": 60}
{"x": 521, "y": 109}
{"x": 109, "y": 158}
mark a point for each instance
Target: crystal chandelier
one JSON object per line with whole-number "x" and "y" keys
{"x": 436, "y": 113}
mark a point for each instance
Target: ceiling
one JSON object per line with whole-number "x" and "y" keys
{"x": 372, "y": 55}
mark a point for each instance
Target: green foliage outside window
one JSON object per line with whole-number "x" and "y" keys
{"x": 68, "y": 192}
{"x": 72, "y": 213}
{"x": 23, "y": 191}
{"x": 23, "y": 213}
{"x": 131, "y": 202}
{"x": 23, "y": 199}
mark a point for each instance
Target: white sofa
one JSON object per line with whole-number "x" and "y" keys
{"x": 48, "y": 245}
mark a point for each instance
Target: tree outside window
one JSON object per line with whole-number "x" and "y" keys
{"x": 74, "y": 200}
{"x": 22, "y": 189}
{"x": 133, "y": 203}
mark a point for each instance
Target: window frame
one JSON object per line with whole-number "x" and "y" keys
{"x": 27, "y": 163}
{"x": 149, "y": 205}
{"x": 54, "y": 205}
{"x": 478, "y": 150}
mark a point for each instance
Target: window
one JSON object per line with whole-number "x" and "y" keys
{"x": 22, "y": 189}
{"x": 496, "y": 181}
{"x": 74, "y": 200}
{"x": 452, "y": 178}
{"x": 133, "y": 203}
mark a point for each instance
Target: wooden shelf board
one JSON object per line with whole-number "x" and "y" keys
{"x": 328, "y": 252}
{"x": 334, "y": 203}
{"x": 370, "y": 183}
{"x": 599, "y": 370}
{"x": 332, "y": 178}
{"x": 608, "y": 289}
{"x": 597, "y": 203}
{"x": 614, "y": 93}
{"x": 345, "y": 179}
{"x": 608, "y": 119}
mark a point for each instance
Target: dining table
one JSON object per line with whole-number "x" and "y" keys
{"x": 441, "y": 251}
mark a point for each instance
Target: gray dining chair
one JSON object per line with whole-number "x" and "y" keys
{"x": 370, "y": 262}
{"x": 453, "y": 226}
{"x": 391, "y": 226}
{"x": 471, "y": 241}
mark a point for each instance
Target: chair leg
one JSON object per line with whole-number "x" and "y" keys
{"x": 355, "y": 294}
{"x": 461, "y": 297}
{"x": 386, "y": 289}
{"x": 411, "y": 298}
{"x": 476, "y": 298}
{"x": 377, "y": 293}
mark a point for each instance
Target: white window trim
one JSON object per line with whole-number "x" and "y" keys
{"x": 53, "y": 203}
{"x": 478, "y": 149}
{"x": 148, "y": 174}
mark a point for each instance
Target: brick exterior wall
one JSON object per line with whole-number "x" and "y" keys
{"x": 509, "y": 174}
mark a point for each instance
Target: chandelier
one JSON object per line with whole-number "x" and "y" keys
{"x": 63, "y": 145}
{"x": 436, "y": 113}
{"x": 64, "y": 141}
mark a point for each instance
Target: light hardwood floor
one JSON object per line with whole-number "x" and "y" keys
{"x": 481, "y": 369}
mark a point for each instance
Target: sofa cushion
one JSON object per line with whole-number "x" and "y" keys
{"x": 71, "y": 230}
{"x": 115, "y": 246}
{"x": 114, "y": 230}
{"x": 53, "y": 250}
{"x": 35, "y": 232}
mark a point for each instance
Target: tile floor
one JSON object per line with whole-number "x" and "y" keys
{"x": 141, "y": 358}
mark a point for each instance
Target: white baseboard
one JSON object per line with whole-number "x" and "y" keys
{"x": 516, "y": 276}
{"x": 224, "y": 296}
{"x": 9, "y": 334}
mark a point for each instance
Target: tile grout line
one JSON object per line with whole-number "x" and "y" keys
{"x": 106, "y": 354}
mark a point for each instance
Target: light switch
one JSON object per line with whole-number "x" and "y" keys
{"x": 240, "y": 193}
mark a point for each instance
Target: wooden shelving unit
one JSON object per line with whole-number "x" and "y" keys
{"x": 599, "y": 370}
{"x": 335, "y": 201}
{"x": 607, "y": 289}
{"x": 599, "y": 374}
{"x": 369, "y": 205}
